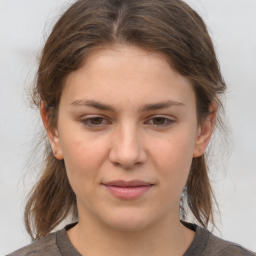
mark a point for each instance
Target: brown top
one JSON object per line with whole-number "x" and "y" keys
{"x": 204, "y": 244}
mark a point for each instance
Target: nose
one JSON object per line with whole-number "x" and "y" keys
{"x": 127, "y": 149}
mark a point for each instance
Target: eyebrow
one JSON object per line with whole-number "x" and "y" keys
{"x": 146, "y": 107}
{"x": 160, "y": 105}
{"x": 93, "y": 103}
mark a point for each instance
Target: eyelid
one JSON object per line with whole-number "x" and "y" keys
{"x": 91, "y": 117}
{"x": 169, "y": 119}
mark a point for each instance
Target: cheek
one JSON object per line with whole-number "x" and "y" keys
{"x": 83, "y": 157}
{"x": 173, "y": 158}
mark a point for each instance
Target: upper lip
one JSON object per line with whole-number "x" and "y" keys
{"x": 123, "y": 183}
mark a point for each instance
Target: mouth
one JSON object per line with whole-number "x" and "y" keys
{"x": 128, "y": 190}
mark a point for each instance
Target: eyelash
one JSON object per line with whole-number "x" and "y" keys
{"x": 167, "y": 121}
{"x": 88, "y": 121}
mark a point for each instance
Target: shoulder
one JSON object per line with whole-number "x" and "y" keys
{"x": 207, "y": 244}
{"x": 41, "y": 247}
{"x": 217, "y": 246}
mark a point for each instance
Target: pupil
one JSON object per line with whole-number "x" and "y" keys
{"x": 159, "y": 120}
{"x": 97, "y": 120}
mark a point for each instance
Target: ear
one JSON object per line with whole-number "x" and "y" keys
{"x": 205, "y": 131}
{"x": 51, "y": 132}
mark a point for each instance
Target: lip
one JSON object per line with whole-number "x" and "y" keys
{"x": 123, "y": 183}
{"x": 128, "y": 190}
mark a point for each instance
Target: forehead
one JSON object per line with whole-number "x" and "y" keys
{"x": 127, "y": 74}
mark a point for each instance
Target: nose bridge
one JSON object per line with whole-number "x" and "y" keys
{"x": 127, "y": 148}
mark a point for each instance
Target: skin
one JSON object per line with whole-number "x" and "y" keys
{"x": 126, "y": 143}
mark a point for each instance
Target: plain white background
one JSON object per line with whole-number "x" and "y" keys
{"x": 24, "y": 26}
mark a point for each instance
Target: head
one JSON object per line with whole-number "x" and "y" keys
{"x": 167, "y": 29}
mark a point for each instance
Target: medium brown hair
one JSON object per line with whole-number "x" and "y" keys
{"x": 169, "y": 27}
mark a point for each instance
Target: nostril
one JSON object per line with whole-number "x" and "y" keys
{"x": 127, "y": 166}
{"x": 116, "y": 164}
{"x": 127, "y": 152}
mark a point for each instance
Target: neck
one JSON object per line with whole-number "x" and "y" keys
{"x": 164, "y": 238}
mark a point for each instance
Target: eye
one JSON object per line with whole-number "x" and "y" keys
{"x": 160, "y": 121}
{"x": 96, "y": 121}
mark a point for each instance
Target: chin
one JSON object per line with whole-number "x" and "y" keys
{"x": 129, "y": 221}
{"x": 128, "y": 225}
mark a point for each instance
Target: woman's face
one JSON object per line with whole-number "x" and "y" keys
{"x": 128, "y": 130}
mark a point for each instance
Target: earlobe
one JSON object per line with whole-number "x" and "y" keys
{"x": 205, "y": 131}
{"x": 52, "y": 133}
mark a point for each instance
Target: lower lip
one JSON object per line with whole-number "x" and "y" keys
{"x": 128, "y": 193}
